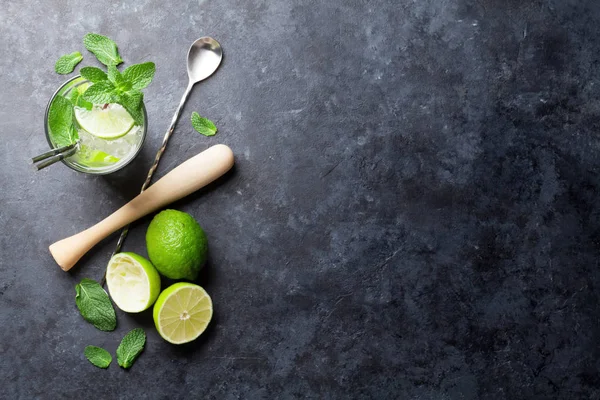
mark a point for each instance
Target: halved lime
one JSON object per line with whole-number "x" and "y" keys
{"x": 107, "y": 123}
{"x": 182, "y": 312}
{"x": 133, "y": 282}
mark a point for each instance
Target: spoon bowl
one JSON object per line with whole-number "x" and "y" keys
{"x": 204, "y": 57}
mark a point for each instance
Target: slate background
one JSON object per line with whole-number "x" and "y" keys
{"x": 413, "y": 213}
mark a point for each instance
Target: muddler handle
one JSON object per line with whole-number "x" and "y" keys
{"x": 190, "y": 176}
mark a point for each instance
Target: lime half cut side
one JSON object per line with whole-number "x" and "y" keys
{"x": 110, "y": 122}
{"x": 182, "y": 312}
{"x": 133, "y": 282}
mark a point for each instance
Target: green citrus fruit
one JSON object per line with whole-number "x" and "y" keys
{"x": 96, "y": 157}
{"x": 107, "y": 123}
{"x": 132, "y": 281}
{"x": 182, "y": 312}
{"x": 177, "y": 245}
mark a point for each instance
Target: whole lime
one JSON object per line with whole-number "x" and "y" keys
{"x": 177, "y": 245}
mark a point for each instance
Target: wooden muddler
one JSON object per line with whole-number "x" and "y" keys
{"x": 188, "y": 177}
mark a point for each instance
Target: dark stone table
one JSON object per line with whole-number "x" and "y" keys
{"x": 413, "y": 213}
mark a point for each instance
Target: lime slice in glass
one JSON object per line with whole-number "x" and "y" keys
{"x": 107, "y": 123}
{"x": 100, "y": 157}
{"x": 133, "y": 282}
{"x": 182, "y": 312}
{"x": 96, "y": 157}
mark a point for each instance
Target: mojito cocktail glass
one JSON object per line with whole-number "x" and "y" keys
{"x": 94, "y": 154}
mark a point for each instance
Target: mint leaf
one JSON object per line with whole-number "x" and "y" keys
{"x": 132, "y": 102}
{"x": 66, "y": 64}
{"x": 203, "y": 125}
{"x": 98, "y": 356}
{"x": 93, "y": 74}
{"x": 135, "y": 98}
{"x": 94, "y": 305}
{"x": 77, "y": 99}
{"x": 131, "y": 346}
{"x": 60, "y": 122}
{"x": 117, "y": 79}
{"x": 103, "y": 48}
{"x": 100, "y": 93}
{"x": 140, "y": 75}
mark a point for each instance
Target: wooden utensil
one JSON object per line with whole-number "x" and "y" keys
{"x": 185, "y": 179}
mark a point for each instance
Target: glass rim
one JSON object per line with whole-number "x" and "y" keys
{"x": 77, "y": 168}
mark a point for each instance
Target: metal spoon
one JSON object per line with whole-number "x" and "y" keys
{"x": 204, "y": 57}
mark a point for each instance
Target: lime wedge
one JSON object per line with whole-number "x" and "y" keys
{"x": 107, "y": 123}
{"x": 101, "y": 157}
{"x": 182, "y": 312}
{"x": 132, "y": 281}
{"x": 96, "y": 157}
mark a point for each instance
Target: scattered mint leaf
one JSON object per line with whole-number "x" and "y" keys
{"x": 140, "y": 75}
{"x": 66, "y": 64}
{"x": 203, "y": 125}
{"x": 94, "y": 305}
{"x": 98, "y": 356}
{"x": 103, "y": 48}
{"x": 100, "y": 93}
{"x": 77, "y": 97}
{"x": 132, "y": 102}
{"x": 60, "y": 122}
{"x": 131, "y": 346}
{"x": 93, "y": 74}
{"x": 117, "y": 79}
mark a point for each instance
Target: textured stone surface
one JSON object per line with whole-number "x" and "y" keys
{"x": 413, "y": 213}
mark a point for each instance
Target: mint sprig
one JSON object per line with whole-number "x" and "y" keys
{"x": 130, "y": 348}
{"x": 203, "y": 125}
{"x": 98, "y": 356}
{"x": 66, "y": 64}
{"x": 94, "y": 305}
{"x": 103, "y": 48}
{"x": 121, "y": 88}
